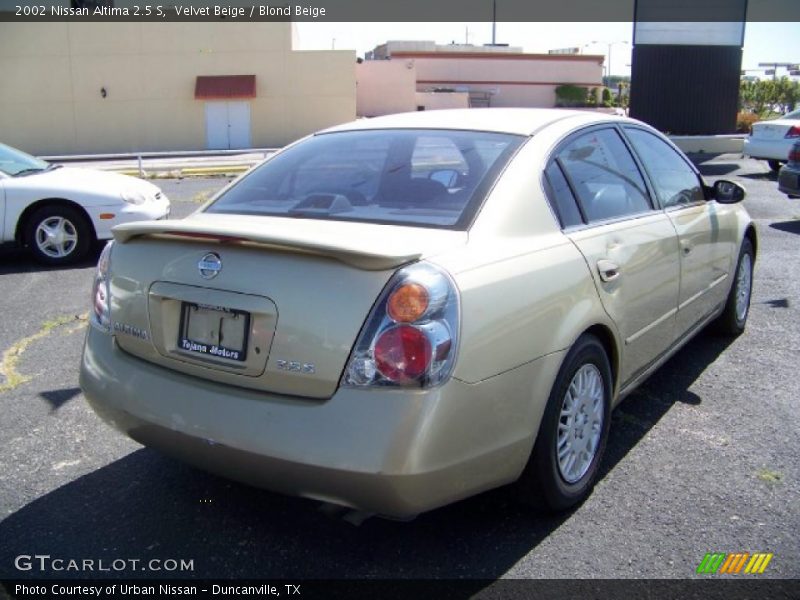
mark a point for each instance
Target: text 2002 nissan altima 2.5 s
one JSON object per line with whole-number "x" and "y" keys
{"x": 400, "y": 312}
{"x": 58, "y": 212}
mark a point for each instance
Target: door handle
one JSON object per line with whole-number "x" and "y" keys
{"x": 609, "y": 271}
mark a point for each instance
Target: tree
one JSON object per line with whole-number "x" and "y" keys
{"x": 608, "y": 98}
{"x": 768, "y": 96}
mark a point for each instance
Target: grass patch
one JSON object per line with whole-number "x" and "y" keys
{"x": 769, "y": 476}
{"x": 201, "y": 197}
{"x": 8, "y": 365}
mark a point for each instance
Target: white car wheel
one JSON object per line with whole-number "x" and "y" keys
{"x": 58, "y": 235}
{"x": 572, "y": 434}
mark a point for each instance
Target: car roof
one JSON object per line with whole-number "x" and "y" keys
{"x": 519, "y": 121}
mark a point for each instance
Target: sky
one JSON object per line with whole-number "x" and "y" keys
{"x": 763, "y": 42}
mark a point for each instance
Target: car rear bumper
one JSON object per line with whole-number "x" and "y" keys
{"x": 777, "y": 149}
{"x": 389, "y": 452}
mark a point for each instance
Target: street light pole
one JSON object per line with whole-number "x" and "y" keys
{"x": 494, "y": 20}
{"x": 610, "y": 45}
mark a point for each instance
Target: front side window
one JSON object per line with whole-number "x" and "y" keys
{"x": 674, "y": 180}
{"x": 603, "y": 175}
{"x": 433, "y": 178}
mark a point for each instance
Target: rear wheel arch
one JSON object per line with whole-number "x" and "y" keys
{"x": 19, "y": 233}
{"x": 606, "y": 337}
{"x": 543, "y": 482}
{"x": 750, "y": 233}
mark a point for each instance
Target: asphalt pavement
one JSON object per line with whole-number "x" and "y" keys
{"x": 702, "y": 458}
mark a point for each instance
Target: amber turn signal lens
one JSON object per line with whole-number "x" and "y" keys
{"x": 407, "y": 303}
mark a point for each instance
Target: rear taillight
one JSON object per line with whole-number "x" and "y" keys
{"x": 100, "y": 315}
{"x": 794, "y": 153}
{"x": 794, "y": 132}
{"x": 410, "y": 337}
{"x": 402, "y": 354}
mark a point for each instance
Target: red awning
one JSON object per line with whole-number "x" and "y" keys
{"x": 224, "y": 87}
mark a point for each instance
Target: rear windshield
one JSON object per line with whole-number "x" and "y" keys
{"x": 432, "y": 178}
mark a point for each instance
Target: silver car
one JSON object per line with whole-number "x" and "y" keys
{"x": 401, "y": 312}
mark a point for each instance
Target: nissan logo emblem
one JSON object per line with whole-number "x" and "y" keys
{"x": 210, "y": 265}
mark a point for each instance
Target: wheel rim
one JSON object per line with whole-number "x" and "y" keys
{"x": 581, "y": 423}
{"x": 743, "y": 286}
{"x": 56, "y": 237}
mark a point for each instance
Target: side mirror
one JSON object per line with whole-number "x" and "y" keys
{"x": 727, "y": 192}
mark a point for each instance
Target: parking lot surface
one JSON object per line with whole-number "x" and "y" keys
{"x": 702, "y": 458}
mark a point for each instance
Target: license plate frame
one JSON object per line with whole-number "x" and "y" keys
{"x": 205, "y": 331}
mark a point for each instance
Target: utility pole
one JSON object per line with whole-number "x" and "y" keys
{"x": 494, "y": 21}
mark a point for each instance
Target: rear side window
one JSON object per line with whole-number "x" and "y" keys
{"x": 603, "y": 175}
{"x": 675, "y": 181}
{"x": 432, "y": 178}
{"x": 562, "y": 199}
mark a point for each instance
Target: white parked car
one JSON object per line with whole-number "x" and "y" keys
{"x": 58, "y": 212}
{"x": 772, "y": 140}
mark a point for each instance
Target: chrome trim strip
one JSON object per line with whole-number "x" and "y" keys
{"x": 712, "y": 285}
{"x": 645, "y": 372}
{"x": 647, "y": 328}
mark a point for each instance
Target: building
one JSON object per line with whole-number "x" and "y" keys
{"x": 404, "y": 76}
{"x": 686, "y": 77}
{"x": 80, "y": 87}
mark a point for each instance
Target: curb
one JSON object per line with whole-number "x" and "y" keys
{"x": 167, "y": 173}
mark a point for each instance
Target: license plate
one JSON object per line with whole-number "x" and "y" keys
{"x": 214, "y": 331}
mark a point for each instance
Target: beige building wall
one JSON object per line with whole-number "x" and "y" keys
{"x": 437, "y": 101}
{"x": 384, "y": 87}
{"x": 508, "y": 79}
{"x": 53, "y": 73}
{"x": 549, "y": 69}
{"x": 511, "y": 81}
{"x": 507, "y": 95}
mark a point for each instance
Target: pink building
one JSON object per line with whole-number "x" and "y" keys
{"x": 407, "y": 76}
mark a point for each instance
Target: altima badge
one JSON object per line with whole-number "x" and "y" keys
{"x": 131, "y": 330}
{"x": 210, "y": 265}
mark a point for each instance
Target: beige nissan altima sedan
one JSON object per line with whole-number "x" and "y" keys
{"x": 400, "y": 312}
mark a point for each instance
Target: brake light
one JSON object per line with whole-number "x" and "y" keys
{"x": 794, "y": 132}
{"x": 794, "y": 153}
{"x": 410, "y": 336}
{"x": 100, "y": 316}
{"x": 402, "y": 353}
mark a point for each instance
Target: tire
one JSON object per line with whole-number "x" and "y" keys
{"x": 70, "y": 238}
{"x": 774, "y": 165}
{"x": 548, "y": 482}
{"x": 733, "y": 319}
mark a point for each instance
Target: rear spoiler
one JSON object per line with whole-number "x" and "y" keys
{"x": 364, "y": 246}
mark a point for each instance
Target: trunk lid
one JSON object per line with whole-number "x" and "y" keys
{"x": 259, "y": 302}
{"x": 773, "y": 130}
